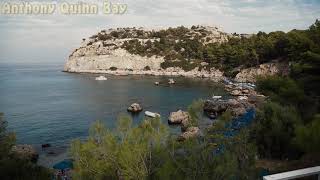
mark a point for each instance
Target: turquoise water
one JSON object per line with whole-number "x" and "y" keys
{"x": 44, "y": 105}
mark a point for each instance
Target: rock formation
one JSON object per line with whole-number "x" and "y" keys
{"x": 134, "y": 108}
{"x": 179, "y": 117}
{"x": 183, "y": 119}
{"x": 191, "y": 132}
{"x": 237, "y": 107}
{"x": 250, "y": 74}
{"x": 25, "y": 152}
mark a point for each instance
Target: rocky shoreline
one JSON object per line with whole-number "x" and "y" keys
{"x": 213, "y": 74}
{"x": 243, "y": 99}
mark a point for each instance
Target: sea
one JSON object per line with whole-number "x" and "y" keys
{"x": 43, "y": 105}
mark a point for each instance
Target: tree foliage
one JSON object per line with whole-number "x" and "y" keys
{"x": 281, "y": 89}
{"x": 127, "y": 153}
{"x": 13, "y": 168}
{"x": 7, "y": 139}
{"x": 274, "y": 131}
{"x": 147, "y": 151}
{"x": 308, "y": 136}
{"x": 180, "y": 48}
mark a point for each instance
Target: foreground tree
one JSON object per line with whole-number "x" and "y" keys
{"x": 308, "y": 136}
{"x": 214, "y": 156}
{"x": 128, "y": 153}
{"x": 274, "y": 131}
{"x": 148, "y": 152}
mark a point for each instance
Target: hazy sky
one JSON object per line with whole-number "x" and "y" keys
{"x": 50, "y": 38}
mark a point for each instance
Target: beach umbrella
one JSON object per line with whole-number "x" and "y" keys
{"x": 65, "y": 164}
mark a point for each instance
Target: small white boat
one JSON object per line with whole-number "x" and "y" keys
{"x": 243, "y": 98}
{"x": 252, "y": 85}
{"x": 151, "y": 114}
{"x": 171, "y": 81}
{"x": 101, "y": 78}
{"x": 216, "y": 97}
{"x": 156, "y": 83}
{"x": 228, "y": 81}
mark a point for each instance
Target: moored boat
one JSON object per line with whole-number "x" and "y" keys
{"x": 101, "y": 78}
{"x": 151, "y": 114}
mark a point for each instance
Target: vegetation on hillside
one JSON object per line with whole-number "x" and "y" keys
{"x": 129, "y": 153}
{"x": 287, "y": 126}
{"x": 12, "y": 167}
{"x": 148, "y": 151}
{"x": 180, "y": 50}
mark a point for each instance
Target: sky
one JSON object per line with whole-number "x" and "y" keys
{"x": 51, "y": 38}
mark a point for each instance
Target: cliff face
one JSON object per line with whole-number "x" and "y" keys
{"x": 86, "y": 59}
{"x": 107, "y": 52}
{"x": 95, "y": 54}
{"x": 250, "y": 74}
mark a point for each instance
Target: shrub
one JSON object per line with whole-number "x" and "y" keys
{"x": 17, "y": 169}
{"x": 215, "y": 156}
{"x": 308, "y": 136}
{"x": 13, "y": 168}
{"x": 7, "y": 140}
{"x": 115, "y": 34}
{"x": 147, "y": 151}
{"x": 274, "y": 131}
{"x": 281, "y": 89}
{"x": 147, "y": 68}
{"x": 128, "y": 153}
{"x": 113, "y": 68}
{"x": 94, "y": 36}
{"x": 103, "y": 37}
{"x": 195, "y": 112}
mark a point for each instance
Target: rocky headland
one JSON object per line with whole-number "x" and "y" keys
{"x": 137, "y": 51}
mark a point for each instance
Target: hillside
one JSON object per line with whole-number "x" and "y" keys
{"x": 140, "y": 51}
{"x": 199, "y": 51}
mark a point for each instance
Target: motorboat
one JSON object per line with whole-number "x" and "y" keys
{"x": 151, "y": 114}
{"x": 101, "y": 78}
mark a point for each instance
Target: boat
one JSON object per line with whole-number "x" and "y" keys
{"x": 243, "y": 98}
{"x": 216, "y": 97}
{"x": 151, "y": 114}
{"x": 101, "y": 78}
{"x": 228, "y": 82}
{"x": 171, "y": 81}
{"x": 156, "y": 83}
